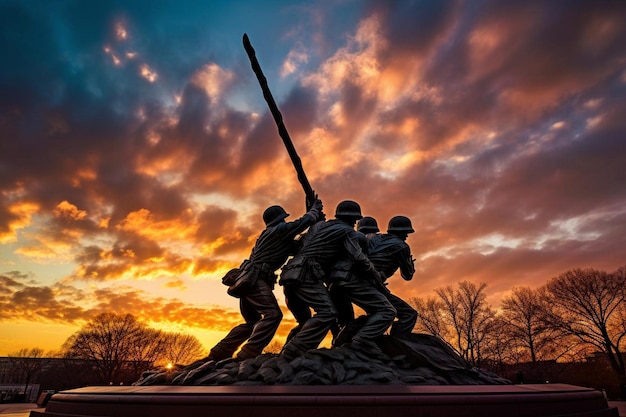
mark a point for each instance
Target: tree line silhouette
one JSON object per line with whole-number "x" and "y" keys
{"x": 118, "y": 343}
{"x": 109, "y": 349}
{"x": 573, "y": 317}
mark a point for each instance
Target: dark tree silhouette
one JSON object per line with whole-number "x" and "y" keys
{"x": 431, "y": 317}
{"x": 145, "y": 347}
{"x": 524, "y": 322}
{"x": 181, "y": 349}
{"x": 105, "y": 341}
{"x": 589, "y": 304}
{"x": 27, "y": 364}
{"x": 121, "y": 348}
{"x": 459, "y": 316}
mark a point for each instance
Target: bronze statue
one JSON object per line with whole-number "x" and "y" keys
{"x": 330, "y": 253}
{"x": 258, "y": 304}
{"x": 348, "y": 286}
{"x": 341, "y": 270}
{"x": 303, "y": 276}
{"x": 390, "y": 252}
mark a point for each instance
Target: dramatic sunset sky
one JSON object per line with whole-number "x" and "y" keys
{"x": 137, "y": 154}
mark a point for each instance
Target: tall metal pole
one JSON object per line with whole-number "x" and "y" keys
{"x": 278, "y": 118}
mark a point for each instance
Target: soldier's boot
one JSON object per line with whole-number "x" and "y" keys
{"x": 366, "y": 346}
{"x": 247, "y": 353}
{"x": 218, "y": 354}
{"x": 290, "y": 352}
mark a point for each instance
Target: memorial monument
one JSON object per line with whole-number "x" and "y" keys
{"x": 414, "y": 376}
{"x": 418, "y": 359}
{"x": 391, "y": 375}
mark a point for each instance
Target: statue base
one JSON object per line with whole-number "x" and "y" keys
{"x": 330, "y": 401}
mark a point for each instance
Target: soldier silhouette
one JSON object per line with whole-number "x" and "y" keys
{"x": 341, "y": 270}
{"x": 390, "y": 252}
{"x": 258, "y": 306}
{"x": 348, "y": 287}
{"x": 303, "y": 276}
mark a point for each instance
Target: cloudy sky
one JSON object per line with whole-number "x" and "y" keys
{"x": 137, "y": 153}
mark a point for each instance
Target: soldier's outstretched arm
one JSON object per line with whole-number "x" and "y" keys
{"x": 311, "y": 217}
{"x": 317, "y": 210}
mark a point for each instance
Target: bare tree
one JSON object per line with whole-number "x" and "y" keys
{"x": 27, "y": 364}
{"x": 469, "y": 317}
{"x": 121, "y": 348}
{"x": 431, "y": 316}
{"x": 589, "y": 305}
{"x": 525, "y": 313}
{"x": 484, "y": 329}
{"x": 145, "y": 347}
{"x": 106, "y": 341}
{"x": 181, "y": 349}
{"x": 499, "y": 350}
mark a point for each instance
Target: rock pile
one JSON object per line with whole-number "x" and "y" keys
{"x": 419, "y": 359}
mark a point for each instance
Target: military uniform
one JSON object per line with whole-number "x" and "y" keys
{"x": 303, "y": 279}
{"x": 347, "y": 286}
{"x": 388, "y": 252}
{"x": 259, "y": 307}
{"x": 342, "y": 271}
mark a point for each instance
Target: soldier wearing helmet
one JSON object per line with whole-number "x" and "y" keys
{"x": 274, "y": 215}
{"x": 258, "y": 304}
{"x": 348, "y": 286}
{"x": 367, "y": 225}
{"x": 390, "y": 252}
{"x": 400, "y": 225}
{"x": 341, "y": 271}
{"x": 303, "y": 276}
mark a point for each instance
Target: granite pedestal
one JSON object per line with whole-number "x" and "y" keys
{"x": 330, "y": 401}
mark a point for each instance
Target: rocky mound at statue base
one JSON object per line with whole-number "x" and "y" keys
{"x": 417, "y": 359}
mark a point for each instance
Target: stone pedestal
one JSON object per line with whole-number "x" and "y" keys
{"x": 330, "y": 401}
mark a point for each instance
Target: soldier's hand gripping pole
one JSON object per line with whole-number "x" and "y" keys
{"x": 278, "y": 118}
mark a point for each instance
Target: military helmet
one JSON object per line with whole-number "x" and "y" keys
{"x": 348, "y": 208}
{"x": 367, "y": 225}
{"x": 400, "y": 224}
{"x": 273, "y": 215}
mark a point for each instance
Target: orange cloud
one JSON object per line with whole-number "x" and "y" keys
{"x": 143, "y": 223}
{"x": 70, "y": 211}
{"x": 358, "y": 62}
{"x": 293, "y": 60}
{"x": 20, "y": 216}
{"x": 62, "y": 303}
{"x": 148, "y": 73}
{"x": 213, "y": 80}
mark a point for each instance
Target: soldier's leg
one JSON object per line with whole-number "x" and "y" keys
{"x": 239, "y": 334}
{"x": 343, "y": 305}
{"x": 314, "y": 329}
{"x": 299, "y": 309}
{"x": 380, "y": 312}
{"x": 345, "y": 311}
{"x": 407, "y": 316}
{"x": 263, "y": 302}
